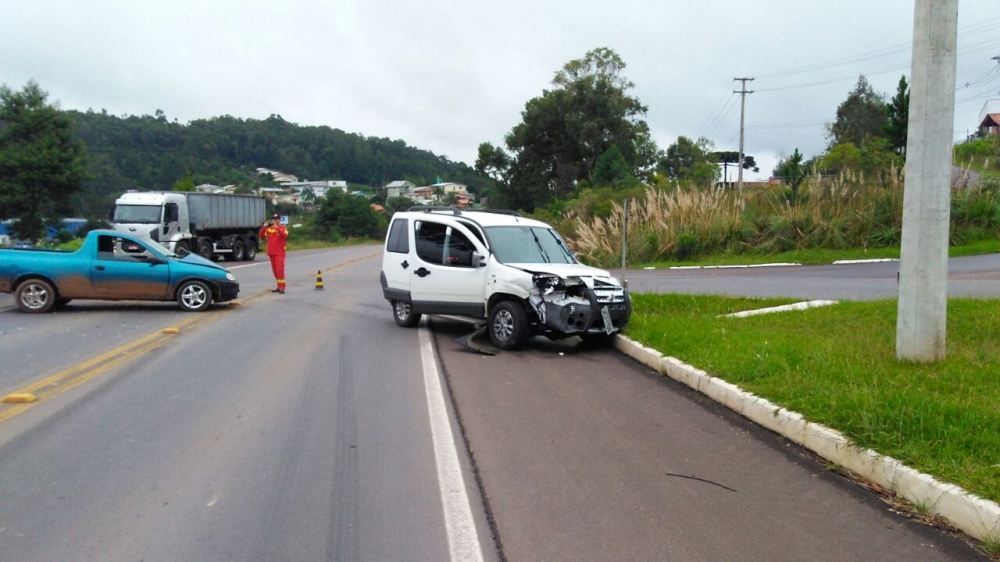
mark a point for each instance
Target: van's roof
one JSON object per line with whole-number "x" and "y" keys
{"x": 484, "y": 218}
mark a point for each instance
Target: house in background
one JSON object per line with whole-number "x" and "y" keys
{"x": 989, "y": 119}
{"x": 319, "y": 188}
{"x": 399, "y": 188}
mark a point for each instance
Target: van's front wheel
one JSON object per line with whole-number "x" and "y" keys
{"x": 508, "y": 325}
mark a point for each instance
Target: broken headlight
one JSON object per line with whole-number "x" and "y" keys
{"x": 548, "y": 283}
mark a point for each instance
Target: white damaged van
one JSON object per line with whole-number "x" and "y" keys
{"x": 515, "y": 273}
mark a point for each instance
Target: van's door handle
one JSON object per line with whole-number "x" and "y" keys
{"x": 422, "y": 272}
{"x": 405, "y": 264}
{"x": 99, "y": 268}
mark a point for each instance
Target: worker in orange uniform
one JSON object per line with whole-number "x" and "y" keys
{"x": 275, "y": 234}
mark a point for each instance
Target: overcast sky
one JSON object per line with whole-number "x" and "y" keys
{"x": 446, "y": 75}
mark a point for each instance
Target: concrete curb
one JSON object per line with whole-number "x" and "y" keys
{"x": 973, "y": 515}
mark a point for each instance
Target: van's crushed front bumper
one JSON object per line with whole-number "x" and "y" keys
{"x": 573, "y": 306}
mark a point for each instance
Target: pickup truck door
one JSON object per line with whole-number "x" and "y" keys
{"x": 444, "y": 278}
{"x": 127, "y": 269}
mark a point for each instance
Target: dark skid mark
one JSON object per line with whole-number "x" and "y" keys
{"x": 700, "y": 480}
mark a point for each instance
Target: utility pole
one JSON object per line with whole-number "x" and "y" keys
{"x": 743, "y": 104}
{"x": 922, "y": 311}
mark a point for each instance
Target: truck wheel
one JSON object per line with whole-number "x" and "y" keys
{"x": 251, "y": 249}
{"x": 508, "y": 325}
{"x": 239, "y": 250}
{"x": 205, "y": 248}
{"x": 35, "y": 295}
{"x": 182, "y": 248}
{"x": 404, "y": 315}
{"x": 194, "y": 296}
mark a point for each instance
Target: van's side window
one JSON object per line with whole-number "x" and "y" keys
{"x": 430, "y": 238}
{"x": 399, "y": 237}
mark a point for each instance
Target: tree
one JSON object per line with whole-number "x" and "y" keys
{"x": 862, "y": 115}
{"x": 611, "y": 167}
{"x": 566, "y": 130}
{"x": 690, "y": 160}
{"x": 898, "y": 115}
{"x": 732, "y": 158}
{"x": 184, "y": 184}
{"x": 41, "y": 161}
{"x": 341, "y": 215}
{"x": 842, "y": 157}
{"x": 791, "y": 171}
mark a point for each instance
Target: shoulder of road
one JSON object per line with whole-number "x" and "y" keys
{"x": 975, "y": 516}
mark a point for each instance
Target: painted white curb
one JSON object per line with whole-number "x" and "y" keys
{"x": 782, "y": 308}
{"x": 844, "y": 262}
{"x": 977, "y": 517}
{"x": 735, "y": 266}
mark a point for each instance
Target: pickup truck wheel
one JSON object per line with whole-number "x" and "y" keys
{"x": 508, "y": 325}
{"x": 194, "y": 296}
{"x": 239, "y": 251}
{"x": 251, "y": 249}
{"x": 206, "y": 248}
{"x": 35, "y": 295}
{"x": 404, "y": 315}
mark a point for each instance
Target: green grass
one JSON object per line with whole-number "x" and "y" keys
{"x": 837, "y": 366}
{"x": 821, "y": 256}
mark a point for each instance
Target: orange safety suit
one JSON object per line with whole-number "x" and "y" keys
{"x": 275, "y": 236}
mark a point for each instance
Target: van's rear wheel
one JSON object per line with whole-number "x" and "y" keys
{"x": 403, "y": 313}
{"x": 508, "y": 325}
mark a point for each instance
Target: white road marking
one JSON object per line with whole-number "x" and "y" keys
{"x": 783, "y": 308}
{"x": 463, "y": 541}
{"x": 844, "y": 262}
{"x": 247, "y": 265}
{"x": 735, "y": 266}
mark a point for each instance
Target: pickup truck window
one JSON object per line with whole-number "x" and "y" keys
{"x": 115, "y": 248}
{"x": 141, "y": 214}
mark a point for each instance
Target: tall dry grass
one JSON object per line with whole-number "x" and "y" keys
{"x": 839, "y": 212}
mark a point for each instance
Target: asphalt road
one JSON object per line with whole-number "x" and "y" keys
{"x": 296, "y": 427}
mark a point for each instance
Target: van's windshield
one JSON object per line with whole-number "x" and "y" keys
{"x": 528, "y": 244}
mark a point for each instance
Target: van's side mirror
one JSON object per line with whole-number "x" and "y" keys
{"x": 478, "y": 260}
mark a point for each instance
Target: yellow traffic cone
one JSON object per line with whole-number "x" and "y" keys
{"x": 319, "y": 280}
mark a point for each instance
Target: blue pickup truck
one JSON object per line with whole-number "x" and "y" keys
{"x": 113, "y": 266}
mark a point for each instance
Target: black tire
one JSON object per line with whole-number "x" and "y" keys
{"x": 35, "y": 295}
{"x": 251, "y": 249}
{"x": 206, "y": 248}
{"x": 239, "y": 250}
{"x": 508, "y": 325}
{"x": 403, "y": 313}
{"x": 182, "y": 248}
{"x": 194, "y": 296}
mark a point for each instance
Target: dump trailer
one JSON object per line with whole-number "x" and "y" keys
{"x": 214, "y": 225}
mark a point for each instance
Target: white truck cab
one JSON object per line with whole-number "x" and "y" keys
{"x": 516, "y": 273}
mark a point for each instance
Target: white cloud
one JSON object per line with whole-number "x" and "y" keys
{"x": 445, "y": 75}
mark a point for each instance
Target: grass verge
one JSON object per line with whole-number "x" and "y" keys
{"x": 837, "y": 366}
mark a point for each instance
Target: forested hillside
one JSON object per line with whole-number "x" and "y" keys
{"x": 151, "y": 152}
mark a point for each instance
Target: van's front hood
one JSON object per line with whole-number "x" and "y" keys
{"x": 566, "y": 270}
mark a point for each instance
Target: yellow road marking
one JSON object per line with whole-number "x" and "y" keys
{"x": 74, "y": 376}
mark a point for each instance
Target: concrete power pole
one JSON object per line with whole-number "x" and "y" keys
{"x": 743, "y": 104}
{"x": 923, "y": 266}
